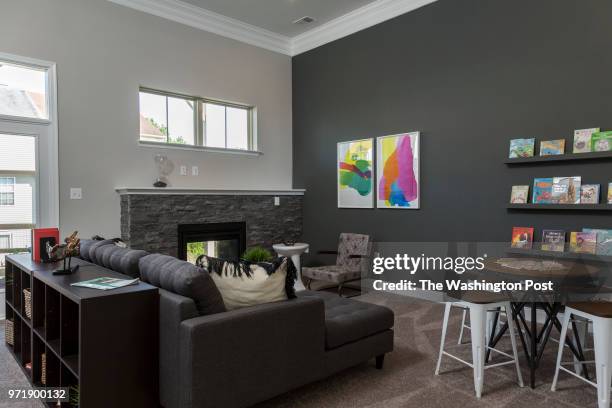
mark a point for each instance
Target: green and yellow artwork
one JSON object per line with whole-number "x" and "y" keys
{"x": 355, "y": 182}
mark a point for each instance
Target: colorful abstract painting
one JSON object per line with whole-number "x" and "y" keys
{"x": 397, "y": 161}
{"x": 355, "y": 172}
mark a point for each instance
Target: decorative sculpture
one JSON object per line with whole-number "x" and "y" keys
{"x": 64, "y": 252}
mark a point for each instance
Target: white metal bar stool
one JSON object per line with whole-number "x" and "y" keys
{"x": 600, "y": 313}
{"x": 479, "y": 304}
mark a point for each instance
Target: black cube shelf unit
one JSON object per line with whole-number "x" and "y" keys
{"x": 103, "y": 343}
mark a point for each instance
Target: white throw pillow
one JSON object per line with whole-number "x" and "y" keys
{"x": 241, "y": 289}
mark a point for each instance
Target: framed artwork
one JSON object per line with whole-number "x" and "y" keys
{"x": 355, "y": 163}
{"x": 397, "y": 170}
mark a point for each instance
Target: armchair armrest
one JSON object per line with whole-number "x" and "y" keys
{"x": 241, "y": 357}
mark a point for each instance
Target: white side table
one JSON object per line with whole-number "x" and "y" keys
{"x": 294, "y": 252}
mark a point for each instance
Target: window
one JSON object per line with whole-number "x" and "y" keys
{"x": 5, "y": 241}
{"x": 23, "y": 91}
{"x": 7, "y": 190}
{"x": 183, "y": 120}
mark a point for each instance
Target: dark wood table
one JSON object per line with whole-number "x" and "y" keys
{"x": 579, "y": 275}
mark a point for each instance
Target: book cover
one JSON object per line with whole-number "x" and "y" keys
{"x": 520, "y": 195}
{"x": 566, "y": 190}
{"x": 601, "y": 141}
{"x": 542, "y": 191}
{"x": 589, "y": 194}
{"x": 604, "y": 240}
{"x": 521, "y": 148}
{"x": 41, "y": 237}
{"x": 583, "y": 242}
{"x": 522, "y": 237}
{"x": 609, "y": 193}
{"x": 553, "y": 240}
{"x": 552, "y": 147}
{"x": 582, "y": 140}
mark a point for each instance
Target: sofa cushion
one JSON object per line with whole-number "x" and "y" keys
{"x": 94, "y": 250}
{"x": 122, "y": 260}
{"x": 244, "y": 284}
{"x": 184, "y": 279}
{"x": 348, "y": 320}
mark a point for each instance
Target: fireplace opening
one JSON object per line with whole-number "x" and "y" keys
{"x": 225, "y": 240}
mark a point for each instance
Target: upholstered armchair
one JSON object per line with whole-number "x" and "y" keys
{"x": 353, "y": 251}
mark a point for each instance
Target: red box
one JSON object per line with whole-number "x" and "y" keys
{"x": 40, "y": 238}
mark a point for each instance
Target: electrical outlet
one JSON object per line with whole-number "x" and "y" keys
{"x": 195, "y": 170}
{"x": 76, "y": 193}
{"x": 183, "y": 170}
{"x": 276, "y": 201}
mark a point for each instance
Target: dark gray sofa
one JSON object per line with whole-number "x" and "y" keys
{"x": 241, "y": 357}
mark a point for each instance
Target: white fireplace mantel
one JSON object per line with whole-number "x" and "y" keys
{"x": 204, "y": 191}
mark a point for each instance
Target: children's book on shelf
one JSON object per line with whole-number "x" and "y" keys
{"x": 522, "y": 237}
{"x": 566, "y": 190}
{"x": 609, "y": 193}
{"x": 521, "y": 148}
{"x": 520, "y": 195}
{"x": 582, "y": 140}
{"x": 542, "y": 191}
{"x": 553, "y": 240}
{"x": 601, "y": 141}
{"x": 589, "y": 194}
{"x": 552, "y": 147}
{"x": 583, "y": 242}
{"x": 604, "y": 240}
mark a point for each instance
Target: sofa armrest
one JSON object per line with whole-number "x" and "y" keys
{"x": 173, "y": 309}
{"x": 241, "y": 357}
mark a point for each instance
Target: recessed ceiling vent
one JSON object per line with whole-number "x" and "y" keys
{"x": 304, "y": 20}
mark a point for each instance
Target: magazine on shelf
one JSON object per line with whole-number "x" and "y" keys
{"x": 106, "y": 283}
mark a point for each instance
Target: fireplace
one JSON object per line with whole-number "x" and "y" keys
{"x": 225, "y": 240}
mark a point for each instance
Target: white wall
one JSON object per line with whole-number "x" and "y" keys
{"x": 104, "y": 52}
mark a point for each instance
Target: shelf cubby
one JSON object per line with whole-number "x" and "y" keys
{"x": 38, "y": 307}
{"x": 26, "y": 348}
{"x": 25, "y": 285}
{"x": 52, "y": 318}
{"x": 70, "y": 333}
{"x": 9, "y": 283}
{"x": 38, "y": 349}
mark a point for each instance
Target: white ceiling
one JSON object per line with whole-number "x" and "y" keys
{"x": 268, "y": 23}
{"x": 278, "y": 15}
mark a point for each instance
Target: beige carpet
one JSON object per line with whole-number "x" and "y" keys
{"x": 407, "y": 379}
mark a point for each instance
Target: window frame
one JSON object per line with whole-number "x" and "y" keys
{"x": 198, "y": 124}
{"x": 6, "y": 192}
{"x": 10, "y": 240}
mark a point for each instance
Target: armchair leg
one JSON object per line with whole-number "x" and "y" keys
{"x": 308, "y": 284}
{"x": 380, "y": 360}
{"x": 340, "y": 290}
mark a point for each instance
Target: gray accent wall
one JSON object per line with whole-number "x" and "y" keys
{"x": 470, "y": 75}
{"x": 104, "y": 52}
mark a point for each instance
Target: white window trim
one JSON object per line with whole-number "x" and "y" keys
{"x": 49, "y": 216}
{"x": 14, "y": 184}
{"x": 199, "y": 135}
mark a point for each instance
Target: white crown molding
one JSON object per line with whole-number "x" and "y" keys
{"x": 197, "y": 17}
{"x": 357, "y": 20}
{"x": 202, "y": 19}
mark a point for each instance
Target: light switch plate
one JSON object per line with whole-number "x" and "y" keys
{"x": 195, "y": 170}
{"x": 76, "y": 193}
{"x": 183, "y": 170}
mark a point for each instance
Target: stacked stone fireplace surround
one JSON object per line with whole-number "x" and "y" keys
{"x": 150, "y": 221}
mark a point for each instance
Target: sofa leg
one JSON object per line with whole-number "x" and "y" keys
{"x": 380, "y": 360}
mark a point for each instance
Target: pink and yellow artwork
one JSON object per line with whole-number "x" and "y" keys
{"x": 355, "y": 172}
{"x": 397, "y": 168}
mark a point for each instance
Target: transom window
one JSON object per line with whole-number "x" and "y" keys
{"x": 174, "y": 119}
{"x": 23, "y": 91}
{"x": 7, "y": 190}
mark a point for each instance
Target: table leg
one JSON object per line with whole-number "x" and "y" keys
{"x": 534, "y": 345}
{"x": 298, "y": 268}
